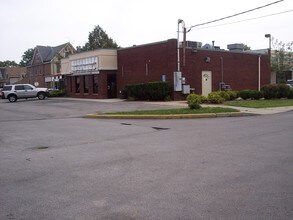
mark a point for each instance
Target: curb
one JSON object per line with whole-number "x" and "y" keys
{"x": 177, "y": 116}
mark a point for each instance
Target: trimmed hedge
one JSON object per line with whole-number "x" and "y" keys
{"x": 250, "y": 94}
{"x": 153, "y": 91}
{"x": 276, "y": 91}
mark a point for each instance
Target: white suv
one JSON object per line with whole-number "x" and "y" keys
{"x": 23, "y": 91}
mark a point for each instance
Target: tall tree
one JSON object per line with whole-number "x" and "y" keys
{"x": 246, "y": 47}
{"x": 26, "y": 57}
{"x": 98, "y": 39}
{"x": 8, "y": 63}
{"x": 282, "y": 58}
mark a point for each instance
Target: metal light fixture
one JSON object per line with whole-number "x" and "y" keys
{"x": 270, "y": 41}
{"x": 178, "y": 45}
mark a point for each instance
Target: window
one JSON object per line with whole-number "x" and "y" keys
{"x": 77, "y": 84}
{"x": 86, "y": 84}
{"x": 27, "y": 87}
{"x": 58, "y": 67}
{"x": 95, "y": 84}
{"x": 7, "y": 88}
{"x": 19, "y": 87}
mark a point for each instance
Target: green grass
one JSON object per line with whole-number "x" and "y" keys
{"x": 261, "y": 103}
{"x": 177, "y": 111}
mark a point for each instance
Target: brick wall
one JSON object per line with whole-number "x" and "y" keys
{"x": 102, "y": 86}
{"x": 147, "y": 63}
{"x": 38, "y": 73}
{"x": 240, "y": 70}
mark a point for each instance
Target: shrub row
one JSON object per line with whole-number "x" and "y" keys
{"x": 250, "y": 94}
{"x": 153, "y": 91}
{"x": 276, "y": 91}
{"x": 194, "y": 100}
{"x": 267, "y": 92}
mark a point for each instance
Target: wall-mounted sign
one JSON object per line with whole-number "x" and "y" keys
{"x": 84, "y": 66}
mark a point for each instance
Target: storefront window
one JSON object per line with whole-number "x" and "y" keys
{"x": 77, "y": 84}
{"x": 95, "y": 84}
{"x": 86, "y": 84}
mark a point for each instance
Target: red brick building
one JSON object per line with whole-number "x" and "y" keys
{"x": 154, "y": 62}
{"x": 202, "y": 70}
{"x": 44, "y": 68}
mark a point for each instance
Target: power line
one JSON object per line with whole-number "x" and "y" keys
{"x": 244, "y": 12}
{"x": 249, "y": 19}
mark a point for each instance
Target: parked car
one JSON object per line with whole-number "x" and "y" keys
{"x": 23, "y": 91}
{"x": 290, "y": 83}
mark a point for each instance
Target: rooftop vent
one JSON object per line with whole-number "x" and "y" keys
{"x": 193, "y": 44}
{"x": 235, "y": 47}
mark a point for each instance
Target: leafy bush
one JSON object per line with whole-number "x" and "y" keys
{"x": 269, "y": 91}
{"x": 57, "y": 93}
{"x": 275, "y": 91}
{"x": 283, "y": 91}
{"x": 215, "y": 98}
{"x": 250, "y": 94}
{"x": 203, "y": 99}
{"x": 233, "y": 94}
{"x": 290, "y": 96}
{"x": 154, "y": 91}
{"x": 225, "y": 95}
{"x": 194, "y": 101}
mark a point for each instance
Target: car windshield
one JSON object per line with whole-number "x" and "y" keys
{"x": 7, "y": 88}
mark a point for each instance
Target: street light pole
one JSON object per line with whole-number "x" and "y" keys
{"x": 178, "y": 45}
{"x": 270, "y": 41}
{"x": 270, "y": 49}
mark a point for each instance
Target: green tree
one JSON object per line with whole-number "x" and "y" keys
{"x": 246, "y": 47}
{"x": 98, "y": 39}
{"x": 26, "y": 57}
{"x": 281, "y": 58}
{"x": 8, "y": 63}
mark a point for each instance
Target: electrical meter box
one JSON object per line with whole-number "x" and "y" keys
{"x": 186, "y": 89}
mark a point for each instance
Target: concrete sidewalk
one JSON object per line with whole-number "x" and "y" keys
{"x": 257, "y": 111}
{"x": 182, "y": 104}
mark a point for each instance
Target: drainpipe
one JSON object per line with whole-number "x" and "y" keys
{"x": 222, "y": 69}
{"x": 259, "y": 72}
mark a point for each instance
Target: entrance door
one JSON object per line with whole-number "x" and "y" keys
{"x": 111, "y": 84}
{"x": 206, "y": 83}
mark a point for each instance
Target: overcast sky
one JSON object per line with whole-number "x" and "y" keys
{"x": 25, "y": 24}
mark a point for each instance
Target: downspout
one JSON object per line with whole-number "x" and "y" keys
{"x": 259, "y": 72}
{"x": 222, "y": 73}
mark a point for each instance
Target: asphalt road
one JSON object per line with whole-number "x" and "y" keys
{"x": 54, "y": 164}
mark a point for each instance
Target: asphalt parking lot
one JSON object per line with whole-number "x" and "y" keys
{"x": 55, "y": 164}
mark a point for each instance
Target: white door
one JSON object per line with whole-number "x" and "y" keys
{"x": 206, "y": 82}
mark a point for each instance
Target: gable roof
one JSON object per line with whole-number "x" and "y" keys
{"x": 47, "y": 53}
{"x": 15, "y": 72}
